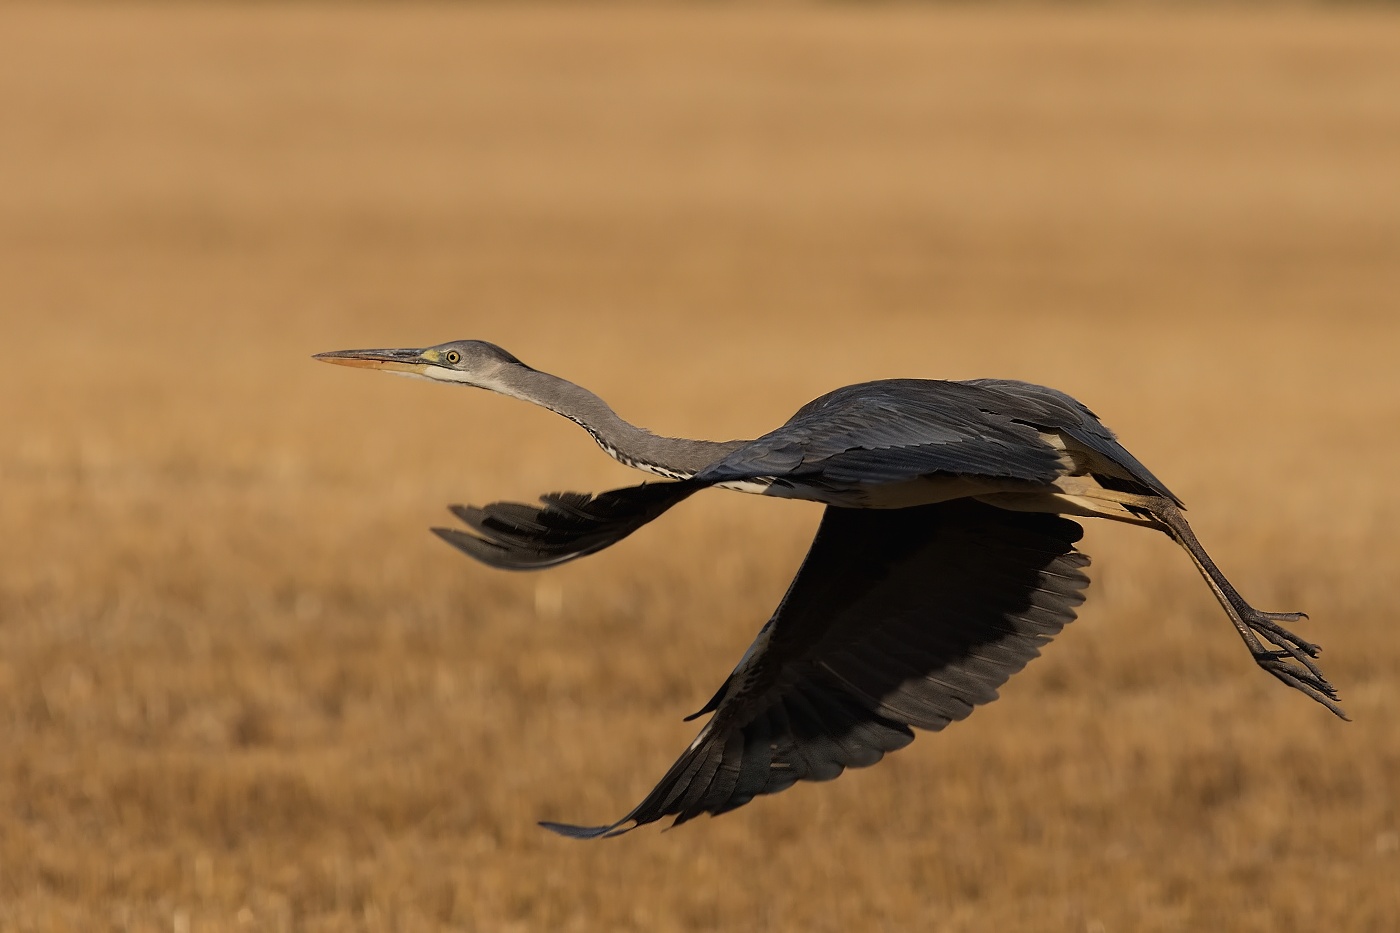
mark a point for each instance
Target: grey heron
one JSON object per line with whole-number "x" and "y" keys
{"x": 943, "y": 562}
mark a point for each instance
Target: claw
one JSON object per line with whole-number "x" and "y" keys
{"x": 1316, "y": 687}
{"x": 1299, "y": 654}
{"x": 1278, "y": 666}
{"x": 1281, "y": 616}
{"x": 1307, "y": 678}
{"x": 1266, "y": 624}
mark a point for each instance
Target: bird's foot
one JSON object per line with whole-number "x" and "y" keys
{"x": 1292, "y": 662}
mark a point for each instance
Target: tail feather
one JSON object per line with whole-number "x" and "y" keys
{"x": 517, "y": 536}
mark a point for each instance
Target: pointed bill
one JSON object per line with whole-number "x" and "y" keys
{"x": 394, "y": 361}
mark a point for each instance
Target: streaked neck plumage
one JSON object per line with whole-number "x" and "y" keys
{"x": 672, "y": 457}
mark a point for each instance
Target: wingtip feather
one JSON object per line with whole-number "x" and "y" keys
{"x": 571, "y": 831}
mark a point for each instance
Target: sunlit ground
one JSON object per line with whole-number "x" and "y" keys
{"x": 242, "y": 688}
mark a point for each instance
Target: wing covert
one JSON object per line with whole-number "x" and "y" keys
{"x": 894, "y": 430}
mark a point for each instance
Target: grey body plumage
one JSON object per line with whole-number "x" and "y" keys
{"x": 943, "y": 562}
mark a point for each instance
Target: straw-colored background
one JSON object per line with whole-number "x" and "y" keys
{"x": 241, "y": 688}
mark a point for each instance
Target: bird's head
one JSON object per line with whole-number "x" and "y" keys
{"x": 470, "y": 362}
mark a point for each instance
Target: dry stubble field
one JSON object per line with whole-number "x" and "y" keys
{"x": 242, "y": 688}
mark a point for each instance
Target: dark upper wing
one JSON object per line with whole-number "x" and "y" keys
{"x": 895, "y": 430}
{"x": 1055, "y": 411}
{"x": 898, "y": 618}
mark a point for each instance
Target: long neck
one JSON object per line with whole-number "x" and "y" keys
{"x": 674, "y": 457}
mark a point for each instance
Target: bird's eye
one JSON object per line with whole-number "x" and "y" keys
{"x": 452, "y": 357}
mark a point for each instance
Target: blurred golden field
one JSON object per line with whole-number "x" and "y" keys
{"x": 241, "y": 688}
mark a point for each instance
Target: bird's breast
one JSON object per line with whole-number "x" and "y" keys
{"x": 924, "y": 490}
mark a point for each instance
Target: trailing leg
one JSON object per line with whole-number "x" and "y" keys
{"x": 1291, "y": 657}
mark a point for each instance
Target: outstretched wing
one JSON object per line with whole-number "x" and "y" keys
{"x": 517, "y": 536}
{"x": 897, "y": 619}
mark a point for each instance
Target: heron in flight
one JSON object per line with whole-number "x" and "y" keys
{"x": 943, "y": 562}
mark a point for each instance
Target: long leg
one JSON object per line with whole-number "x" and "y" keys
{"x": 1291, "y": 658}
{"x": 1253, "y": 623}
